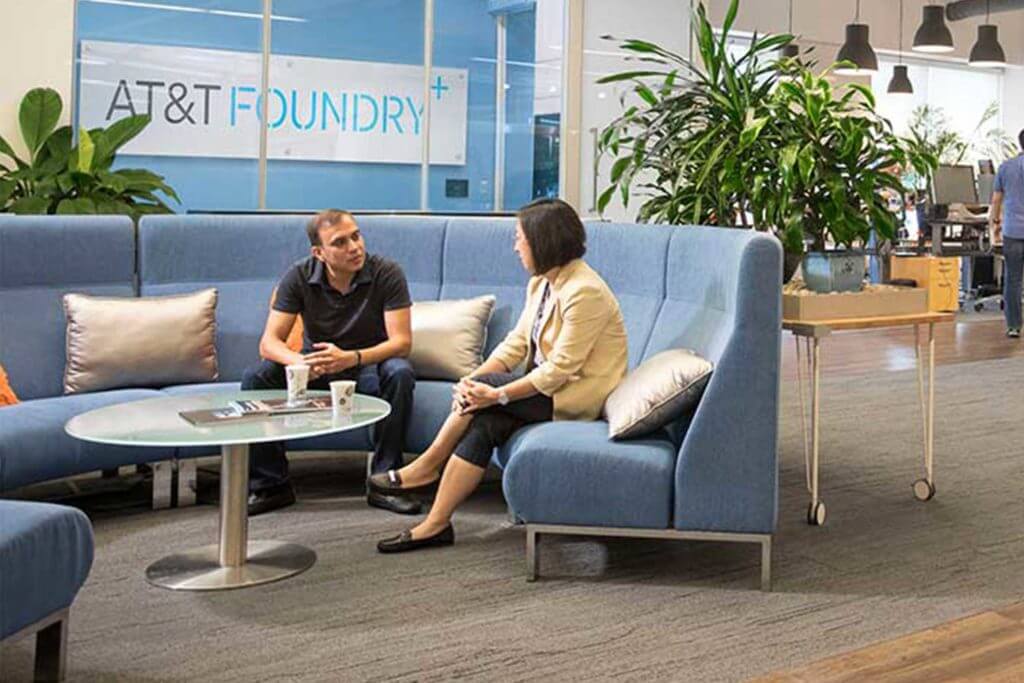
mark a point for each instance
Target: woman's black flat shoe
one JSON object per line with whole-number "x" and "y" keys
{"x": 403, "y": 542}
{"x": 390, "y": 483}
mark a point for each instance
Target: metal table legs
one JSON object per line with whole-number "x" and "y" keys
{"x": 808, "y": 356}
{"x": 816, "y": 512}
{"x": 235, "y": 562}
{"x": 924, "y": 489}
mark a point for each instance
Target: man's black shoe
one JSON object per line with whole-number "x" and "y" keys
{"x": 403, "y": 505}
{"x": 271, "y": 498}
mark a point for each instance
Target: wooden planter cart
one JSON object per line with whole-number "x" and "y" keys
{"x": 813, "y": 317}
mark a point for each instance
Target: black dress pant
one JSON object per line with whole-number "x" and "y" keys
{"x": 393, "y": 380}
{"x": 493, "y": 426}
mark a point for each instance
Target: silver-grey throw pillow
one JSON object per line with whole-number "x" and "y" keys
{"x": 658, "y": 391}
{"x": 448, "y": 337}
{"x": 139, "y": 341}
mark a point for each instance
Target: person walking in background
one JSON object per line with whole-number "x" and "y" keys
{"x": 1007, "y": 218}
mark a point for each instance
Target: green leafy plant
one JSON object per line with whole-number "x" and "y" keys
{"x": 751, "y": 141}
{"x": 839, "y": 164}
{"x": 62, "y": 177}
{"x": 698, "y": 137}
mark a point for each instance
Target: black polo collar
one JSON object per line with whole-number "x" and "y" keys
{"x": 318, "y": 276}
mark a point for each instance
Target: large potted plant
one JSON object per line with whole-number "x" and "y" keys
{"x": 749, "y": 140}
{"x": 699, "y": 142}
{"x": 838, "y": 169}
{"x": 61, "y": 176}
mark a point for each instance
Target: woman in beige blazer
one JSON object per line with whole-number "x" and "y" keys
{"x": 571, "y": 339}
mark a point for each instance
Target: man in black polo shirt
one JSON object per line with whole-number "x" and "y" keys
{"x": 355, "y": 310}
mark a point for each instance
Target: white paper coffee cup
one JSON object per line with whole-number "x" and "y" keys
{"x": 297, "y": 376}
{"x": 343, "y": 396}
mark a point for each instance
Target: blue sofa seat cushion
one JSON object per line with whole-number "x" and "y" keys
{"x": 34, "y": 446}
{"x": 570, "y": 473}
{"x": 46, "y": 552}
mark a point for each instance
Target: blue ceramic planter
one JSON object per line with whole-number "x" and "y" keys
{"x": 834, "y": 271}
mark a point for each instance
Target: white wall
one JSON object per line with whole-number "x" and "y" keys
{"x": 548, "y": 57}
{"x": 665, "y": 22}
{"x": 36, "y": 49}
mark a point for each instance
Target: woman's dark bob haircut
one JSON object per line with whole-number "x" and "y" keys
{"x": 554, "y": 232}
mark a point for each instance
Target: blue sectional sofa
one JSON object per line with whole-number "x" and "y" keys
{"x": 711, "y": 476}
{"x": 46, "y": 552}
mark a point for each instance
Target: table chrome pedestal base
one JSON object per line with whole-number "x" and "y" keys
{"x": 200, "y": 569}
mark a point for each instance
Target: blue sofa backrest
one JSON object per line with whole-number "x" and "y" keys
{"x": 41, "y": 259}
{"x": 244, "y": 257}
{"x": 724, "y": 300}
{"x": 675, "y": 285}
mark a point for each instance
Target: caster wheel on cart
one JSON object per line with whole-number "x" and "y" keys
{"x": 816, "y": 514}
{"x": 924, "y": 490}
{"x": 978, "y": 308}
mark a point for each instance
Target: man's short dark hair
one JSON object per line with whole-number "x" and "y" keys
{"x": 554, "y": 232}
{"x": 325, "y": 219}
{"x": 1020, "y": 139}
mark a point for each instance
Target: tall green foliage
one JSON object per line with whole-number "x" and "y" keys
{"x": 61, "y": 177}
{"x": 747, "y": 141}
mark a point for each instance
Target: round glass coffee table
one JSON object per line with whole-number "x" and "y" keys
{"x": 235, "y": 561}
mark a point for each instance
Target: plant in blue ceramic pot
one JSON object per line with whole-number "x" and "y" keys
{"x": 838, "y": 169}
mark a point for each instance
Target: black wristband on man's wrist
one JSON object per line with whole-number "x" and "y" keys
{"x": 359, "y": 359}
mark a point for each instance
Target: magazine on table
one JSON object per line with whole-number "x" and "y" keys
{"x": 239, "y": 410}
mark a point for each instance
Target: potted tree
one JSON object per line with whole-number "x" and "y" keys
{"x": 750, "y": 140}
{"x": 699, "y": 141}
{"x": 838, "y": 170}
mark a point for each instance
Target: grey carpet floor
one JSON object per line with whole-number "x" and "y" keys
{"x": 884, "y": 566}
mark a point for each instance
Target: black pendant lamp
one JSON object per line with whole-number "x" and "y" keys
{"x": 857, "y": 50}
{"x": 900, "y": 83}
{"x": 933, "y": 35}
{"x": 987, "y": 52}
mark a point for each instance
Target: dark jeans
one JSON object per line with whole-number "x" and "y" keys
{"x": 1013, "y": 253}
{"x": 393, "y": 380}
{"x": 493, "y": 426}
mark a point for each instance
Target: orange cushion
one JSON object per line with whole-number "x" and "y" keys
{"x": 7, "y": 397}
{"x": 294, "y": 340}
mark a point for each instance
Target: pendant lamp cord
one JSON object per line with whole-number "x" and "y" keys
{"x": 901, "y": 31}
{"x": 857, "y": 18}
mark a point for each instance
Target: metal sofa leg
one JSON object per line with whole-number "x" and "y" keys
{"x": 766, "y": 564}
{"x": 187, "y": 484}
{"x": 531, "y": 553}
{"x": 52, "y": 651}
{"x": 163, "y": 478}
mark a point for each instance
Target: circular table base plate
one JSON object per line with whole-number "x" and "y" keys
{"x": 199, "y": 569}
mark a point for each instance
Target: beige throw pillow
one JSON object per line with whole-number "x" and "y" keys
{"x": 448, "y": 337}
{"x": 139, "y": 341}
{"x": 660, "y": 390}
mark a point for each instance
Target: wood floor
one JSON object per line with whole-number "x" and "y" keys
{"x": 984, "y": 647}
{"x": 971, "y": 338}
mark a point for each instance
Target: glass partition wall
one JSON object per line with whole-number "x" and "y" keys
{"x": 352, "y": 118}
{"x": 194, "y": 67}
